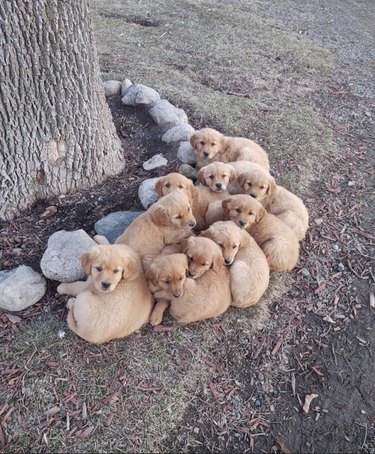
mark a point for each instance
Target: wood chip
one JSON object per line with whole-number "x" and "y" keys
{"x": 13, "y": 318}
{"x": 84, "y": 410}
{"x": 308, "y": 399}
{"x": 163, "y": 329}
{"x": 87, "y": 432}
{"x": 52, "y": 411}
{"x": 49, "y": 211}
{"x": 293, "y": 380}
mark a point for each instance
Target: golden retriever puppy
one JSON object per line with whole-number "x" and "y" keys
{"x": 115, "y": 300}
{"x": 172, "y": 181}
{"x": 258, "y": 183}
{"x": 206, "y": 294}
{"x": 167, "y": 221}
{"x": 210, "y": 145}
{"x": 166, "y": 277}
{"x": 277, "y": 241}
{"x": 249, "y": 271}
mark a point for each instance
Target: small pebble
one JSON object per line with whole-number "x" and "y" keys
{"x": 351, "y": 183}
{"x": 363, "y": 412}
{"x": 318, "y": 221}
{"x": 340, "y": 267}
{"x": 305, "y": 272}
{"x": 336, "y": 247}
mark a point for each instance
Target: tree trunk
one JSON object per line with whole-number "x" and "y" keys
{"x": 56, "y": 131}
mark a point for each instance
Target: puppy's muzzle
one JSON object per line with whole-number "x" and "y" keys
{"x": 241, "y": 223}
{"x": 106, "y": 285}
{"x": 177, "y": 294}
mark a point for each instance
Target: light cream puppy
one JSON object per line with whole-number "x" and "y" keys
{"x": 249, "y": 270}
{"x": 167, "y": 221}
{"x": 210, "y": 145}
{"x": 258, "y": 183}
{"x": 114, "y": 301}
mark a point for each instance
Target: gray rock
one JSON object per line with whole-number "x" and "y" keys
{"x": 146, "y": 192}
{"x": 139, "y": 94}
{"x": 156, "y": 161}
{"x": 178, "y": 133}
{"x": 166, "y": 115}
{"x": 113, "y": 225}
{"x": 188, "y": 171}
{"x": 20, "y": 288}
{"x": 112, "y": 88}
{"x": 186, "y": 153}
{"x": 305, "y": 272}
{"x": 125, "y": 85}
{"x": 61, "y": 260}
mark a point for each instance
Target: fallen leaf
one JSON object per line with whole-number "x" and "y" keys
{"x": 49, "y": 211}
{"x": 52, "y": 411}
{"x": 308, "y": 399}
{"x": 13, "y": 318}
{"x": 163, "y": 329}
{"x": 87, "y": 432}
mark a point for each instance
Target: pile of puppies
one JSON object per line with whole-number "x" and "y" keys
{"x": 197, "y": 250}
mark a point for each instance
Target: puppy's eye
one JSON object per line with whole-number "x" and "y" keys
{"x": 211, "y": 176}
{"x": 250, "y": 213}
{"x": 179, "y": 216}
{"x": 167, "y": 281}
{"x": 262, "y": 187}
{"x": 213, "y": 144}
{"x": 116, "y": 271}
{"x": 168, "y": 185}
{"x": 223, "y": 176}
{"x": 221, "y": 245}
{"x": 180, "y": 186}
{"x": 191, "y": 258}
{"x": 204, "y": 264}
{"x": 180, "y": 278}
{"x": 234, "y": 247}
{"x": 238, "y": 210}
{"x": 250, "y": 184}
{"x": 99, "y": 268}
{"x": 201, "y": 142}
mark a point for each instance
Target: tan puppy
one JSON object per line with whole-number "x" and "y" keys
{"x": 114, "y": 301}
{"x": 166, "y": 277}
{"x": 249, "y": 269}
{"x": 210, "y": 145}
{"x": 205, "y": 296}
{"x": 277, "y": 241}
{"x": 167, "y": 221}
{"x": 172, "y": 181}
{"x": 258, "y": 183}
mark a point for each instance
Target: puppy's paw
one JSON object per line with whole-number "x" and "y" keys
{"x": 62, "y": 289}
{"x": 156, "y": 318}
{"x": 70, "y": 303}
{"x": 101, "y": 239}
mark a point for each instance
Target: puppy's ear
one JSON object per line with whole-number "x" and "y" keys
{"x": 194, "y": 139}
{"x": 271, "y": 186}
{"x": 87, "y": 259}
{"x": 186, "y": 244}
{"x": 224, "y": 143}
{"x": 191, "y": 189}
{"x": 260, "y": 213}
{"x": 201, "y": 176}
{"x": 241, "y": 179}
{"x": 246, "y": 238}
{"x": 233, "y": 174}
{"x": 186, "y": 264}
{"x": 159, "y": 187}
{"x": 130, "y": 267}
{"x": 152, "y": 276}
{"x": 217, "y": 262}
{"x": 225, "y": 204}
{"x": 209, "y": 233}
{"x": 160, "y": 215}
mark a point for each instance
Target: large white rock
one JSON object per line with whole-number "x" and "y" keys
{"x": 61, "y": 260}
{"x": 166, "y": 115}
{"x": 112, "y": 88}
{"x": 178, "y": 133}
{"x": 114, "y": 224}
{"x": 146, "y": 192}
{"x": 186, "y": 153}
{"x": 20, "y": 288}
{"x": 156, "y": 161}
{"x": 125, "y": 85}
{"x": 188, "y": 171}
{"x": 139, "y": 94}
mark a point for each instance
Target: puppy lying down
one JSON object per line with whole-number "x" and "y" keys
{"x": 115, "y": 300}
{"x": 204, "y": 295}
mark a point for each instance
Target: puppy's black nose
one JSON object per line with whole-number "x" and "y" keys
{"x": 192, "y": 224}
{"x": 106, "y": 285}
{"x": 205, "y": 154}
{"x": 227, "y": 261}
{"x": 177, "y": 294}
{"x": 242, "y": 223}
{"x": 254, "y": 196}
{"x": 218, "y": 185}
{"x": 190, "y": 274}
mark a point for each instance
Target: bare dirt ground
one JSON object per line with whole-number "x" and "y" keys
{"x": 298, "y": 78}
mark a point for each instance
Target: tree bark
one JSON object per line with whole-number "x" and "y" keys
{"x": 56, "y": 131}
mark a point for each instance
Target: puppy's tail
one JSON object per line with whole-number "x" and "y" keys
{"x": 100, "y": 239}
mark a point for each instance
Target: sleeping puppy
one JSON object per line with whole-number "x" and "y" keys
{"x": 277, "y": 241}
{"x": 214, "y": 180}
{"x": 205, "y": 294}
{"x": 114, "y": 301}
{"x": 249, "y": 271}
{"x": 166, "y": 277}
{"x": 258, "y": 183}
{"x": 167, "y": 221}
{"x": 210, "y": 145}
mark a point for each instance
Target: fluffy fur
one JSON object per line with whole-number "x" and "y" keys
{"x": 210, "y": 145}
{"x": 168, "y": 221}
{"x": 258, "y": 183}
{"x": 114, "y": 301}
{"x": 249, "y": 270}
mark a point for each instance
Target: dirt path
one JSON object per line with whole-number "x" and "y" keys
{"x": 299, "y": 79}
